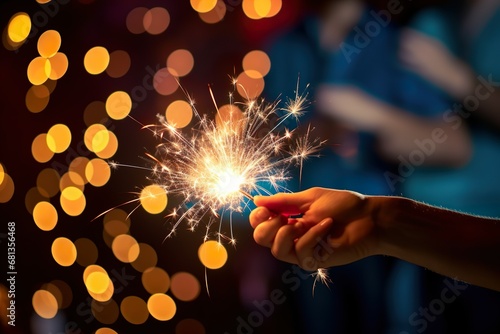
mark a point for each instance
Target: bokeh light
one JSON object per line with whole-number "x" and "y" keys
{"x": 230, "y": 118}
{"x": 61, "y": 291}
{"x": 118, "y": 105}
{"x": 37, "y": 98}
{"x": 2, "y": 173}
{"x": 98, "y": 278}
{"x": 162, "y": 307}
{"x": 156, "y": 20}
{"x": 58, "y": 66}
{"x": 45, "y": 216}
{"x": 147, "y": 258}
{"x": 119, "y": 63}
{"x": 105, "y": 312}
{"x": 32, "y": 198}
{"x": 19, "y": 27}
{"x": 180, "y": 62}
{"x": 44, "y": 304}
{"x": 6, "y": 188}
{"x": 97, "y": 172}
{"x": 72, "y": 201}
{"x": 185, "y": 286}
{"x": 249, "y": 9}
{"x": 39, "y": 70}
{"x": 258, "y": 9}
{"x": 249, "y": 87}
{"x": 97, "y": 282}
{"x": 71, "y": 179}
{"x": 135, "y": 20}
{"x": 164, "y": 82}
{"x": 212, "y": 254}
{"x": 153, "y": 199}
{"x": 96, "y": 137}
{"x": 96, "y": 60}
{"x": 155, "y": 280}
{"x": 134, "y": 310}
{"x": 125, "y": 248}
{"x": 40, "y": 150}
{"x": 203, "y": 6}
{"x": 216, "y": 14}
{"x": 63, "y": 251}
{"x": 111, "y": 147}
{"x": 49, "y": 43}
{"x": 47, "y": 182}
{"x": 105, "y": 330}
{"x": 116, "y": 222}
{"x": 256, "y": 61}
{"x": 179, "y": 114}
{"x": 76, "y": 169}
{"x": 189, "y": 326}
{"x": 58, "y": 138}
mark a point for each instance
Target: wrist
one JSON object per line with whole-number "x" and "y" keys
{"x": 388, "y": 215}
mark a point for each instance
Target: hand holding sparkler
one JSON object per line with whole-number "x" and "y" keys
{"x": 335, "y": 227}
{"x": 339, "y": 227}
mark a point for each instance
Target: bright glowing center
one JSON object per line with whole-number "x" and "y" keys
{"x": 228, "y": 182}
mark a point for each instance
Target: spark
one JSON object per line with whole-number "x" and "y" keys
{"x": 217, "y": 166}
{"x": 321, "y": 276}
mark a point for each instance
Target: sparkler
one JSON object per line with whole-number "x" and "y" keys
{"x": 216, "y": 166}
{"x": 220, "y": 163}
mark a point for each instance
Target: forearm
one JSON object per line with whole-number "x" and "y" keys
{"x": 459, "y": 246}
{"x": 443, "y": 145}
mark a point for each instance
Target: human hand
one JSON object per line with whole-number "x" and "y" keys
{"x": 336, "y": 227}
{"x": 433, "y": 60}
{"x": 353, "y": 107}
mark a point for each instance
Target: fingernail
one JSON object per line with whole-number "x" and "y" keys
{"x": 261, "y": 214}
{"x": 325, "y": 221}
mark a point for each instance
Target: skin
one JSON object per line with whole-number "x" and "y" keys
{"x": 337, "y": 227}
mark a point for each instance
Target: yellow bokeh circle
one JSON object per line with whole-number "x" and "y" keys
{"x": 58, "y": 138}
{"x": 153, "y": 199}
{"x": 49, "y": 43}
{"x": 63, "y": 251}
{"x": 161, "y": 306}
{"x": 203, "y": 6}
{"x": 96, "y": 60}
{"x": 212, "y": 254}
{"x": 19, "y": 27}
{"x": 72, "y": 200}
{"x": 118, "y": 105}
{"x": 45, "y": 216}
{"x": 45, "y": 304}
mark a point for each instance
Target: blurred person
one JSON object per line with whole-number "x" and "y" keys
{"x": 470, "y": 73}
{"x": 371, "y": 110}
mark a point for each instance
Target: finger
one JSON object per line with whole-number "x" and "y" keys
{"x": 285, "y": 203}
{"x": 259, "y": 215}
{"x": 310, "y": 248}
{"x": 283, "y": 247}
{"x": 265, "y": 232}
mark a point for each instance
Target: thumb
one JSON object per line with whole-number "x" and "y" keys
{"x": 287, "y": 204}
